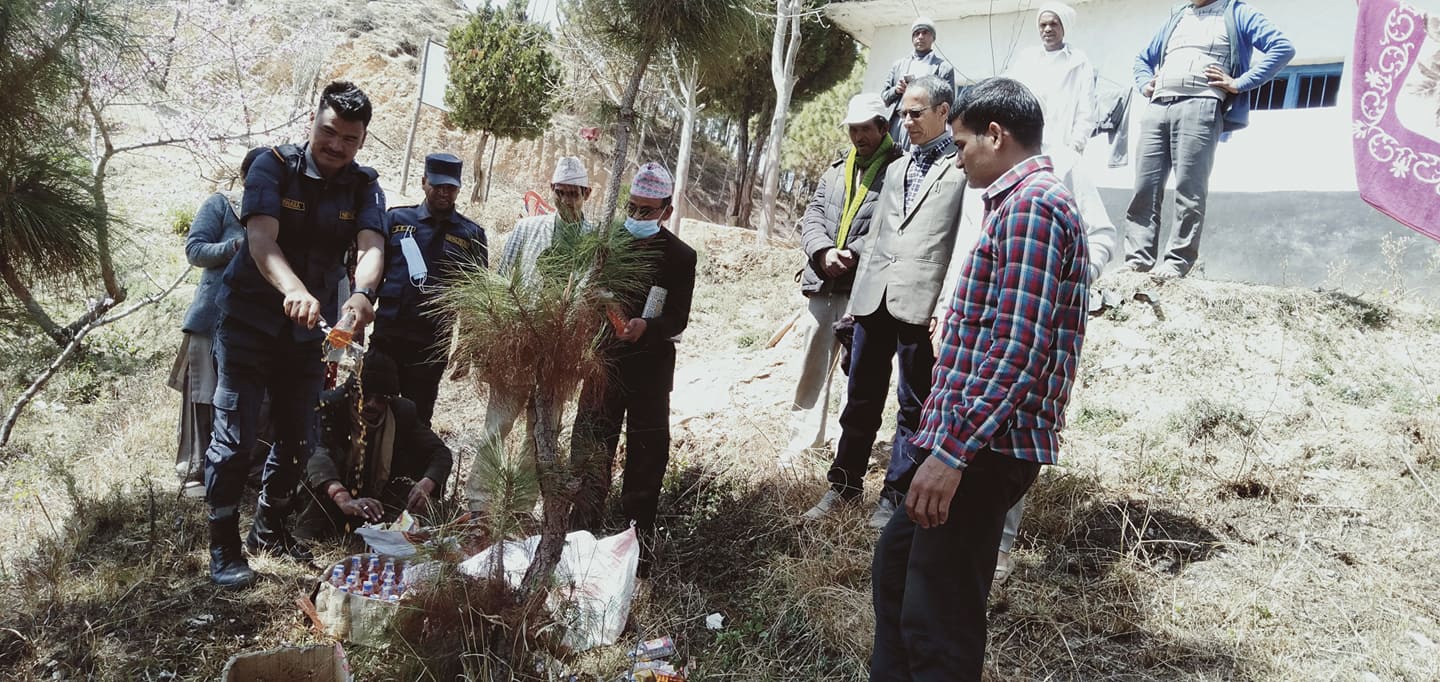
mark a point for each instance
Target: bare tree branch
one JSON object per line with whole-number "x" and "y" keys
{"x": 100, "y": 320}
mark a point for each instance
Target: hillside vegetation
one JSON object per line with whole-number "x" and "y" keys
{"x": 1249, "y": 488}
{"x": 1248, "y": 492}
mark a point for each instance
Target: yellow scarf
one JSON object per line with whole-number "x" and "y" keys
{"x": 854, "y": 199}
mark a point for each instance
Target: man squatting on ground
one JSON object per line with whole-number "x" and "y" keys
{"x": 570, "y": 184}
{"x": 1195, "y": 73}
{"x": 399, "y": 463}
{"x": 896, "y": 301}
{"x": 641, "y": 375}
{"x": 1063, "y": 80}
{"x": 832, "y": 233}
{"x": 1009, "y": 349}
{"x": 303, "y": 208}
{"x": 429, "y": 242}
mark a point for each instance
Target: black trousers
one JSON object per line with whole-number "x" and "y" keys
{"x": 879, "y": 340}
{"x": 420, "y": 372}
{"x": 595, "y": 439}
{"x": 930, "y": 586}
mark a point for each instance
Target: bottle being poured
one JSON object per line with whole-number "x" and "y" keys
{"x": 342, "y": 353}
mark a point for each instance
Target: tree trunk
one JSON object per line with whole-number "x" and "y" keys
{"x": 782, "y": 72}
{"x": 556, "y": 493}
{"x": 752, "y": 167}
{"x": 622, "y": 135}
{"x": 32, "y": 307}
{"x": 113, "y": 289}
{"x": 477, "y": 169}
{"x": 688, "y": 85}
{"x": 742, "y": 162}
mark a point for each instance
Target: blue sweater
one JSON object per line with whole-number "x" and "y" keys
{"x": 1249, "y": 30}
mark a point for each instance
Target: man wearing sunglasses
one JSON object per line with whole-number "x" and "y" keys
{"x": 570, "y": 184}
{"x": 642, "y": 361}
{"x": 896, "y": 301}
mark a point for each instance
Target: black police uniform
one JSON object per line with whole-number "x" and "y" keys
{"x": 258, "y": 347}
{"x": 404, "y": 330}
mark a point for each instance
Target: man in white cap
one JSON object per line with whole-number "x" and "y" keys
{"x": 1062, "y": 78}
{"x": 831, "y": 234}
{"x": 642, "y": 372}
{"x": 922, "y": 62}
{"x": 570, "y": 184}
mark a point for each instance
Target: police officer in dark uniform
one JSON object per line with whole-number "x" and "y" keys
{"x": 427, "y": 243}
{"x": 303, "y": 209}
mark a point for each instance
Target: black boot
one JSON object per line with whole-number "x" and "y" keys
{"x": 268, "y": 534}
{"x": 228, "y": 567}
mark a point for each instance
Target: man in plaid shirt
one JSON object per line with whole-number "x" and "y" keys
{"x": 1008, "y": 354}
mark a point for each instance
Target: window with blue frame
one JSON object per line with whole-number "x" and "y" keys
{"x": 1300, "y": 87}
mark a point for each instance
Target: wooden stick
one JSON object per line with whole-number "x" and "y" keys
{"x": 785, "y": 329}
{"x": 309, "y": 608}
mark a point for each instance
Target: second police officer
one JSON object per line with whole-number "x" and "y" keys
{"x": 428, "y": 241}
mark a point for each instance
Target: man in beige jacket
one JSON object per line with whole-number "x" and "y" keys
{"x": 896, "y": 300}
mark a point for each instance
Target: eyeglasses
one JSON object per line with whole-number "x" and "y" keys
{"x": 915, "y": 114}
{"x": 642, "y": 212}
{"x": 568, "y": 193}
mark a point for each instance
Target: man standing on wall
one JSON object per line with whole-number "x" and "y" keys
{"x": 922, "y": 62}
{"x": 831, "y": 234}
{"x": 1009, "y": 350}
{"x": 1196, "y": 73}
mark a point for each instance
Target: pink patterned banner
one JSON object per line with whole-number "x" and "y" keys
{"x": 1397, "y": 113}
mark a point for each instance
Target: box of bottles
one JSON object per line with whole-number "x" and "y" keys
{"x": 358, "y": 596}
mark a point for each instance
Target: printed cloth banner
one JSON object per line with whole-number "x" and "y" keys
{"x": 1397, "y": 113}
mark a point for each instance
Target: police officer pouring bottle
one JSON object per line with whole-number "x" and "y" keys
{"x": 428, "y": 242}
{"x": 303, "y": 208}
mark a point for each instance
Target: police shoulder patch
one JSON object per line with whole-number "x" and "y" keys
{"x": 292, "y": 204}
{"x": 402, "y": 229}
{"x": 347, "y": 215}
{"x": 458, "y": 241}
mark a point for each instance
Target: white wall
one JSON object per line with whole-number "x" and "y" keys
{"x": 1304, "y": 150}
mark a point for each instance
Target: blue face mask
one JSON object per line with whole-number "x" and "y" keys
{"x": 642, "y": 229}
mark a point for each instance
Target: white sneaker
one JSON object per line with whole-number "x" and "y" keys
{"x": 1003, "y": 568}
{"x": 884, "y": 509}
{"x": 827, "y": 504}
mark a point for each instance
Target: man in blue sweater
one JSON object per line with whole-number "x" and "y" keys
{"x": 1196, "y": 73}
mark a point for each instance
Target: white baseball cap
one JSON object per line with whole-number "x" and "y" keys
{"x": 865, "y": 107}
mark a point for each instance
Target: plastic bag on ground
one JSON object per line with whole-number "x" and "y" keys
{"x": 594, "y": 582}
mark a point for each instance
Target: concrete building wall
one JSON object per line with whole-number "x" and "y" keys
{"x": 1283, "y": 206}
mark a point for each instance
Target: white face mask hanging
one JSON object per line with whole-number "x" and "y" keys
{"x": 414, "y": 260}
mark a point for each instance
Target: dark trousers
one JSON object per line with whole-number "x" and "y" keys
{"x": 250, "y": 363}
{"x": 930, "y": 585}
{"x": 646, "y": 415}
{"x": 880, "y": 338}
{"x": 420, "y": 373}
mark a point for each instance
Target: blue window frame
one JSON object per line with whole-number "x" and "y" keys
{"x": 1300, "y": 87}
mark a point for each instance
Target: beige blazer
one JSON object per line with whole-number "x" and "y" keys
{"x": 907, "y": 258}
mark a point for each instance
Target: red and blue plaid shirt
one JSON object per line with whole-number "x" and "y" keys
{"x": 1011, "y": 339}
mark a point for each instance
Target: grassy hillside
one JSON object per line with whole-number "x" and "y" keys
{"x": 1248, "y": 492}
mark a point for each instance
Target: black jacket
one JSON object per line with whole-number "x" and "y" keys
{"x": 648, "y": 365}
{"x": 821, "y": 223}
{"x": 419, "y": 453}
